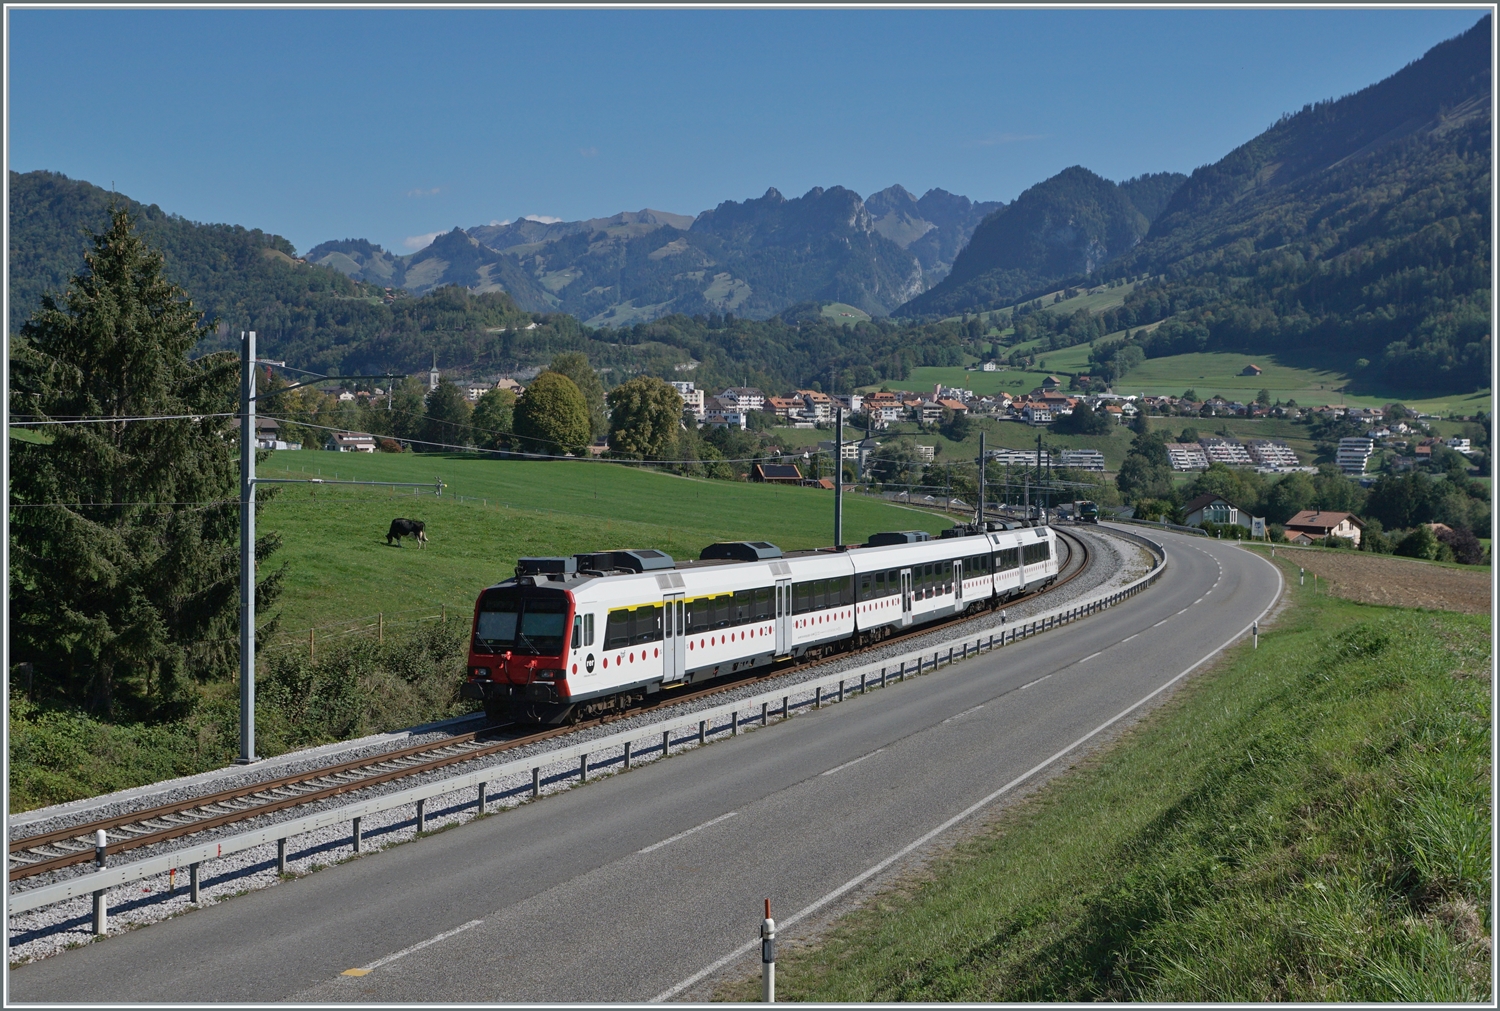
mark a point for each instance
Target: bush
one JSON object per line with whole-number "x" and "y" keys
{"x": 1465, "y": 546}
{"x": 1420, "y": 543}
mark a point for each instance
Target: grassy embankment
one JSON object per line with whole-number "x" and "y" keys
{"x": 341, "y": 577}
{"x": 1305, "y": 822}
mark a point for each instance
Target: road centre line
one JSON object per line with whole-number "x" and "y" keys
{"x": 870, "y": 872}
{"x": 1127, "y": 639}
{"x": 407, "y": 951}
{"x": 1036, "y": 682}
{"x": 684, "y": 835}
{"x": 856, "y": 761}
{"x": 1090, "y": 657}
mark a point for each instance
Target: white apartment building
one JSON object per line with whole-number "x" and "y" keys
{"x": 744, "y": 398}
{"x": 1019, "y": 457}
{"x": 692, "y": 398}
{"x": 1271, "y": 453}
{"x": 1186, "y": 456}
{"x": 1225, "y": 451}
{"x": 1081, "y": 459}
{"x": 1354, "y": 453}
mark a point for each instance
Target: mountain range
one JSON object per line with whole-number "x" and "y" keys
{"x": 751, "y": 258}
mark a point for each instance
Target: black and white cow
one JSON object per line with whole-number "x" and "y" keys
{"x": 407, "y": 528}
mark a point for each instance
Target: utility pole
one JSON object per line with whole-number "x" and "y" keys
{"x": 247, "y": 549}
{"x": 981, "y": 479}
{"x": 838, "y": 478}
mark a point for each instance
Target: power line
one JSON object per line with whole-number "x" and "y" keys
{"x": 98, "y": 419}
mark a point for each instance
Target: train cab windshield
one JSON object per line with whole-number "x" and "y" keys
{"x": 534, "y": 622}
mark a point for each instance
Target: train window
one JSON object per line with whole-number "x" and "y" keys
{"x": 723, "y": 610}
{"x": 698, "y": 614}
{"x": 743, "y": 601}
{"x": 617, "y": 629}
{"x": 820, "y": 594}
{"x": 802, "y": 595}
{"x": 578, "y": 631}
{"x": 588, "y": 629}
{"x": 880, "y": 590}
{"x": 866, "y": 586}
{"x": 645, "y": 623}
{"x": 846, "y": 590}
{"x": 765, "y": 608}
{"x": 1046, "y": 547}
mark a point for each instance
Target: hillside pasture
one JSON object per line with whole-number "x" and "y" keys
{"x": 494, "y": 511}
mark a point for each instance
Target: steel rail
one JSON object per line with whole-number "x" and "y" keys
{"x": 373, "y": 770}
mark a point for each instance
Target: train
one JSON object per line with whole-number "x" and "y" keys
{"x": 570, "y": 637}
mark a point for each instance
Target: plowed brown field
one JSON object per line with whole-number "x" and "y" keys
{"x": 1398, "y": 582}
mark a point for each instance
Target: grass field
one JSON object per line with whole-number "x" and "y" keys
{"x": 1306, "y": 822}
{"x": 494, "y": 511}
{"x": 841, "y": 312}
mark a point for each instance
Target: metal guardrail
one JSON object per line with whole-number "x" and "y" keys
{"x": 755, "y": 709}
{"x": 1158, "y": 525}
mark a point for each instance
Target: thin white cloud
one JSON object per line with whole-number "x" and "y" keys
{"x": 1007, "y": 138}
{"x": 425, "y": 193}
{"x": 500, "y": 224}
{"x": 415, "y": 242}
{"x": 541, "y": 219}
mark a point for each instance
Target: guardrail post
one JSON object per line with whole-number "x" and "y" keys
{"x": 902, "y": 675}
{"x": 702, "y": 731}
{"x": 583, "y": 767}
{"x": 280, "y": 856}
{"x": 666, "y": 742}
{"x": 734, "y": 723}
{"x": 765, "y": 714}
{"x": 818, "y": 697}
{"x": 481, "y": 797}
{"x": 536, "y": 781}
{"x": 422, "y": 815}
{"x": 194, "y": 882}
{"x": 841, "y": 689}
{"x": 786, "y": 707}
{"x": 863, "y": 684}
{"x": 359, "y": 839}
{"x": 627, "y": 754}
{"x": 101, "y": 914}
{"x": 882, "y": 677}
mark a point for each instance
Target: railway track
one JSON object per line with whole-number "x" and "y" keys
{"x": 66, "y": 847}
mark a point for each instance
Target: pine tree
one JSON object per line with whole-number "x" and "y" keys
{"x": 125, "y": 534}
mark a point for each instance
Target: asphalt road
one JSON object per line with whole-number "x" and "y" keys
{"x": 592, "y": 896}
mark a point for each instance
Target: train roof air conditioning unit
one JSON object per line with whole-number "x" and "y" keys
{"x": 643, "y": 560}
{"x": 741, "y": 551}
{"x": 898, "y": 537}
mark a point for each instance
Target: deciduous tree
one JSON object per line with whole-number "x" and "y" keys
{"x": 551, "y": 417}
{"x": 645, "y": 415}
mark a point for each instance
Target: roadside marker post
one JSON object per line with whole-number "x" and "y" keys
{"x": 1255, "y": 634}
{"x": 101, "y": 908}
{"x": 768, "y": 958}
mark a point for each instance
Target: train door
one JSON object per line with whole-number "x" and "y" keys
{"x": 906, "y": 596}
{"x": 674, "y": 643}
{"x": 783, "y": 617}
{"x": 958, "y": 581}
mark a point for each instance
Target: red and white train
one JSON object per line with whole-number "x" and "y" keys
{"x": 581, "y": 635}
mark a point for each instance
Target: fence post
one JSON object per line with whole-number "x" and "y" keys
{"x": 734, "y": 723}
{"x": 818, "y": 697}
{"x": 536, "y": 781}
{"x": 312, "y": 644}
{"x": 841, "y": 689}
{"x": 765, "y": 714}
{"x": 627, "y": 754}
{"x": 280, "y": 856}
{"x": 193, "y": 882}
{"x": 666, "y": 742}
{"x": 863, "y": 685}
{"x": 359, "y": 840}
{"x": 422, "y": 815}
{"x": 583, "y": 767}
{"x": 382, "y": 626}
{"x": 702, "y": 731}
{"x": 786, "y": 707}
{"x": 481, "y": 797}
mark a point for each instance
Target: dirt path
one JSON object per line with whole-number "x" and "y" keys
{"x": 1397, "y": 582}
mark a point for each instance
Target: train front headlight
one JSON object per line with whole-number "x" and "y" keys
{"x": 549, "y": 674}
{"x": 481, "y": 673}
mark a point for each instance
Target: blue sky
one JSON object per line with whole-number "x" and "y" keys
{"x": 392, "y": 124}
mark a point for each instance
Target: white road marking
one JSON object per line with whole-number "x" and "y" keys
{"x": 1090, "y": 657}
{"x": 966, "y": 712}
{"x": 1122, "y": 641}
{"x": 684, "y": 835}
{"x": 1162, "y": 622}
{"x": 407, "y": 951}
{"x": 856, "y": 761}
{"x": 870, "y": 872}
{"x": 1036, "y": 682}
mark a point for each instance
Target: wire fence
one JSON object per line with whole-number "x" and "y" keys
{"x": 368, "y": 625}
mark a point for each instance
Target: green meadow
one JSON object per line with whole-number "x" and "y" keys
{"x": 1309, "y": 821}
{"x": 339, "y": 568}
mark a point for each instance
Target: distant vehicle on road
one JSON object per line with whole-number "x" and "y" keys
{"x": 1088, "y": 512}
